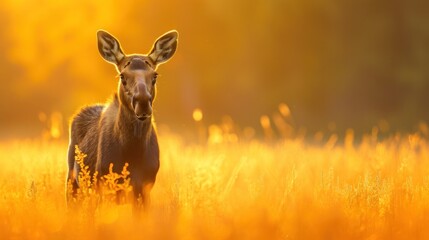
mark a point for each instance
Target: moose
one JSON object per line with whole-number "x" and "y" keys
{"x": 122, "y": 131}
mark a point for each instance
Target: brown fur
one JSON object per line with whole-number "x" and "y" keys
{"x": 122, "y": 130}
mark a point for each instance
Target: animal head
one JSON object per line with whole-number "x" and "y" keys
{"x": 137, "y": 72}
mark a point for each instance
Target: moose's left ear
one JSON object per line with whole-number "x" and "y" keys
{"x": 164, "y": 47}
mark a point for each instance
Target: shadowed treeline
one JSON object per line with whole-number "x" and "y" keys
{"x": 334, "y": 63}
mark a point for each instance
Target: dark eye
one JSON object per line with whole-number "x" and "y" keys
{"x": 123, "y": 79}
{"x": 154, "y": 79}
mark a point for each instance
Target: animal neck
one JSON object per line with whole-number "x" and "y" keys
{"x": 131, "y": 130}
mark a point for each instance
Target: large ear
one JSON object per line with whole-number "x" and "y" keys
{"x": 109, "y": 47}
{"x": 164, "y": 47}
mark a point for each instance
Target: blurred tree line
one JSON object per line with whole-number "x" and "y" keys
{"x": 352, "y": 63}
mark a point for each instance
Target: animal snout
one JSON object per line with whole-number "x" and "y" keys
{"x": 142, "y": 102}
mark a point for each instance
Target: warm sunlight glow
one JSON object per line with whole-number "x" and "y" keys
{"x": 39, "y": 36}
{"x": 215, "y": 134}
{"x": 284, "y": 110}
{"x": 56, "y": 124}
{"x": 265, "y": 122}
{"x": 291, "y": 188}
{"x": 197, "y": 114}
{"x": 275, "y": 119}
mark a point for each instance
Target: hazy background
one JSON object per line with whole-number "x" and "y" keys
{"x": 335, "y": 63}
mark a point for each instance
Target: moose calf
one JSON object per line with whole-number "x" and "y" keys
{"x": 122, "y": 130}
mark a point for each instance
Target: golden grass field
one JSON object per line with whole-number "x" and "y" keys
{"x": 241, "y": 189}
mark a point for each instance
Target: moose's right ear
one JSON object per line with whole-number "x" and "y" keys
{"x": 109, "y": 47}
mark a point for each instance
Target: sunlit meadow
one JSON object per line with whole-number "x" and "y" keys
{"x": 230, "y": 185}
{"x": 337, "y": 64}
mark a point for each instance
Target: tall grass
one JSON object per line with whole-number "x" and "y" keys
{"x": 285, "y": 189}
